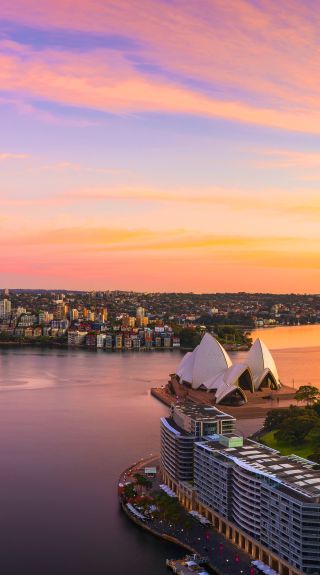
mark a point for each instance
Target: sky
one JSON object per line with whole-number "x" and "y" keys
{"x": 160, "y": 145}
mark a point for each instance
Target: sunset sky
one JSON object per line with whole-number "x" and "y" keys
{"x": 160, "y": 145}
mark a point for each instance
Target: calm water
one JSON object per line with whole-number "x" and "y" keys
{"x": 69, "y": 423}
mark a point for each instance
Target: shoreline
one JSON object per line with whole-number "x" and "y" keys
{"x": 136, "y": 467}
{"x": 92, "y": 348}
{"x": 164, "y": 536}
{"x": 199, "y": 541}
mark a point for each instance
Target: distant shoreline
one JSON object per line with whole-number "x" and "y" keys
{"x": 49, "y": 345}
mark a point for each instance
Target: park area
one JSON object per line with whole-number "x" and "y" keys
{"x": 296, "y": 429}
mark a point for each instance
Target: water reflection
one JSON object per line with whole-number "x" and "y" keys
{"x": 69, "y": 423}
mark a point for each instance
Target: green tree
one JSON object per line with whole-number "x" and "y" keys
{"x": 189, "y": 337}
{"x": 314, "y": 434}
{"x": 316, "y": 407}
{"x": 275, "y": 418}
{"x": 308, "y": 393}
{"x": 142, "y": 480}
{"x": 294, "y": 430}
{"x": 129, "y": 491}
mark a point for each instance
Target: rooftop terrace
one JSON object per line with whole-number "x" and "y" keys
{"x": 289, "y": 472}
{"x": 201, "y": 411}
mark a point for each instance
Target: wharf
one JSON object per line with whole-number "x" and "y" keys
{"x": 190, "y": 565}
{"x": 187, "y": 531}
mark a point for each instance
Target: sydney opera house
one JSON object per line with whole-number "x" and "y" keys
{"x": 209, "y": 369}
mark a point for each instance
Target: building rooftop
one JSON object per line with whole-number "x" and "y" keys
{"x": 289, "y": 472}
{"x": 200, "y": 411}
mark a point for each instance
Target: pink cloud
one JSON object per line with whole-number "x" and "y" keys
{"x": 234, "y": 42}
{"x": 61, "y": 78}
{"x": 12, "y": 156}
{"x": 264, "y": 60}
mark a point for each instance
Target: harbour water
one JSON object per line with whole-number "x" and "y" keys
{"x": 70, "y": 421}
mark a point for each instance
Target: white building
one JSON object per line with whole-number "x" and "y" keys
{"x": 101, "y": 340}
{"x": 209, "y": 367}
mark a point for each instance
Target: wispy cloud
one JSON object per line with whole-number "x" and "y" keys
{"x": 274, "y": 200}
{"x": 237, "y": 60}
{"x": 109, "y": 82}
{"x": 76, "y": 167}
{"x": 281, "y": 158}
{"x": 12, "y": 156}
{"x": 147, "y": 239}
{"x": 301, "y": 204}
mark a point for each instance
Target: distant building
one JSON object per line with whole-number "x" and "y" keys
{"x": 44, "y": 317}
{"x": 109, "y": 341}
{"x": 76, "y": 337}
{"x": 101, "y": 340}
{"x": 20, "y": 310}
{"x": 74, "y": 314}
{"x": 27, "y": 320}
{"x": 91, "y": 340}
{"x": 140, "y": 313}
{"x": 5, "y": 308}
{"x": 61, "y": 311}
{"x": 103, "y": 315}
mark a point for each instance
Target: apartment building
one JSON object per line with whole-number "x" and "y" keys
{"x": 266, "y": 503}
{"x": 187, "y": 423}
{"x": 76, "y": 338}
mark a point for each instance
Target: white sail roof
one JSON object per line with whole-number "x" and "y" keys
{"x": 226, "y": 381}
{"x": 261, "y": 362}
{"x": 205, "y": 362}
{"x": 209, "y": 366}
{"x": 228, "y": 376}
{"x": 210, "y": 359}
{"x": 185, "y": 368}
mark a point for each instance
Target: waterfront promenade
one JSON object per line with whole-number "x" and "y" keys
{"x": 224, "y": 557}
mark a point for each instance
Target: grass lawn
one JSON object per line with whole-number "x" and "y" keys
{"x": 304, "y": 449}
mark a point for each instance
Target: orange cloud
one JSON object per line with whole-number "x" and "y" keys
{"x": 115, "y": 239}
{"x": 235, "y": 199}
{"x": 281, "y": 158}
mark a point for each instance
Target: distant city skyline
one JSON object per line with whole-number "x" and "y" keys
{"x": 160, "y": 145}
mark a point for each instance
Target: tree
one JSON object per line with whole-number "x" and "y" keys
{"x": 295, "y": 429}
{"x": 307, "y": 393}
{"x": 314, "y": 434}
{"x": 142, "y": 480}
{"x": 316, "y": 407}
{"x": 189, "y": 338}
{"x": 129, "y": 491}
{"x": 275, "y": 418}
